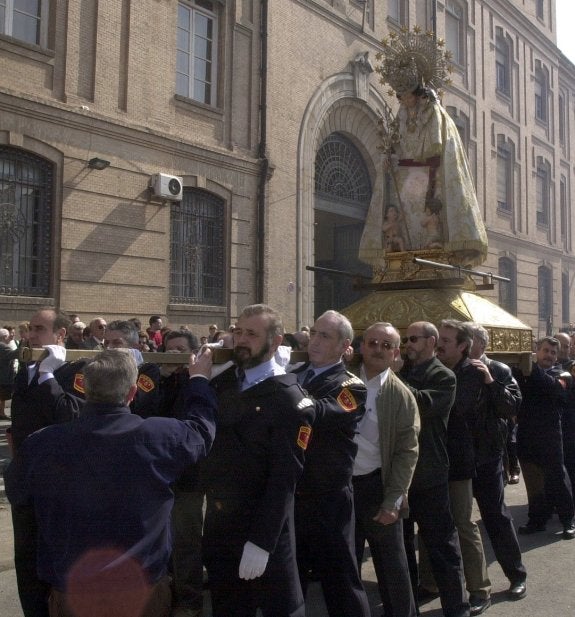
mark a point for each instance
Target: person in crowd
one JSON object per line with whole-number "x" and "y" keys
{"x": 476, "y": 434}
{"x": 383, "y": 468}
{"x": 75, "y": 338}
{"x": 324, "y": 497}
{"x": 23, "y": 334}
{"x": 433, "y": 386}
{"x": 46, "y": 392}
{"x": 95, "y": 339}
{"x": 568, "y": 414}
{"x": 263, "y": 429}
{"x": 8, "y": 357}
{"x": 103, "y": 523}
{"x": 302, "y": 339}
{"x": 540, "y": 444}
{"x": 144, "y": 343}
{"x": 212, "y": 333}
{"x": 155, "y": 331}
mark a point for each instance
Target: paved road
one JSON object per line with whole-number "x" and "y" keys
{"x": 550, "y": 565}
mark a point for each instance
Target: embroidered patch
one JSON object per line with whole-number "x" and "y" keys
{"x": 145, "y": 383}
{"x": 303, "y": 437}
{"x": 354, "y": 381}
{"x": 79, "y": 382}
{"x": 346, "y": 400}
{"x": 305, "y": 402}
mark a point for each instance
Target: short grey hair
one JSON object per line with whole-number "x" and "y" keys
{"x": 479, "y": 332}
{"x": 4, "y": 333}
{"x": 109, "y": 377}
{"x": 128, "y": 330}
{"x": 344, "y": 327}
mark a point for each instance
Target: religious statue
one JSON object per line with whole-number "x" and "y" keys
{"x": 433, "y": 205}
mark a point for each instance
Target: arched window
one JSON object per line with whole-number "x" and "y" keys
{"x": 26, "y": 188}
{"x": 545, "y": 286}
{"x": 197, "y": 273}
{"x": 508, "y": 290}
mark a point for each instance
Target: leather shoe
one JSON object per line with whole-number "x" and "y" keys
{"x": 530, "y": 528}
{"x": 569, "y": 532}
{"x": 513, "y": 479}
{"x": 478, "y": 605}
{"x": 517, "y": 590}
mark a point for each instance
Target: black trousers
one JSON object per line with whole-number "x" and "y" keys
{"x": 33, "y": 592}
{"x": 277, "y": 592}
{"x": 325, "y": 540}
{"x": 488, "y": 490}
{"x": 386, "y": 546}
{"x": 430, "y": 509}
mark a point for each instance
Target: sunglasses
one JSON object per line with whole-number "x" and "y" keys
{"x": 413, "y": 338}
{"x": 373, "y": 344}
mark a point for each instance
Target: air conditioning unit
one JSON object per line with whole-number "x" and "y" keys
{"x": 167, "y": 187}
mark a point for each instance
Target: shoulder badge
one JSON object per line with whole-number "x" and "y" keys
{"x": 352, "y": 381}
{"x": 346, "y": 400}
{"x": 303, "y": 436}
{"x": 79, "y": 382}
{"x": 305, "y": 402}
{"x": 145, "y": 383}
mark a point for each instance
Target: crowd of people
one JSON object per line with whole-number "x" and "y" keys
{"x": 270, "y": 474}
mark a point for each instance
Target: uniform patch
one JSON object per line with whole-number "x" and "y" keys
{"x": 346, "y": 400}
{"x": 146, "y": 383}
{"x": 79, "y": 382}
{"x": 305, "y": 402}
{"x": 303, "y": 436}
{"x": 354, "y": 381}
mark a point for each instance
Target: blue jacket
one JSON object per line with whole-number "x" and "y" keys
{"x": 103, "y": 481}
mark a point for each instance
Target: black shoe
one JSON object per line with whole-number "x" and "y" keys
{"x": 517, "y": 590}
{"x": 513, "y": 478}
{"x": 531, "y": 528}
{"x": 569, "y": 532}
{"x": 478, "y": 605}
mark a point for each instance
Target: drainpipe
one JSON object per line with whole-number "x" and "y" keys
{"x": 262, "y": 156}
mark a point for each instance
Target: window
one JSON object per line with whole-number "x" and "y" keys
{"x": 502, "y": 66}
{"x": 508, "y": 290}
{"x": 563, "y": 207}
{"x": 541, "y": 95}
{"x": 539, "y": 8}
{"x": 24, "y": 20}
{"x": 562, "y": 119}
{"x": 26, "y": 186}
{"x": 565, "y": 297}
{"x": 396, "y": 11}
{"x": 504, "y": 176}
{"x": 545, "y": 286}
{"x": 455, "y": 31}
{"x": 196, "y": 62}
{"x": 197, "y": 272}
{"x": 542, "y": 192}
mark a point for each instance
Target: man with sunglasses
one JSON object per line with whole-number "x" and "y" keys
{"x": 97, "y": 331}
{"x": 433, "y": 386}
{"x": 383, "y": 468}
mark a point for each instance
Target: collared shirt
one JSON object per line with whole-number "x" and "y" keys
{"x": 317, "y": 370}
{"x": 259, "y": 373}
{"x": 368, "y": 456}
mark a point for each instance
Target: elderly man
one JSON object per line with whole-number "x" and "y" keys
{"x": 383, "y": 468}
{"x": 75, "y": 338}
{"x": 539, "y": 441}
{"x": 324, "y": 498}
{"x": 46, "y": 392}
{"x": 101, "y": 490}
{"x": 97, "y": 330}
{"x": 250, "y": 476}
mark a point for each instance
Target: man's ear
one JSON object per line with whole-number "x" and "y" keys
{"x": 131, "y": 394}
{"x": 276, "y": 342}
{"x": 60, "y": 335}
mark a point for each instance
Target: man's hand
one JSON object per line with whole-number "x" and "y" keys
{"x": 55, "y": 358}
{"x": 201, "y": 364}
{"x": 386, "y": 517}
{"x": 487, "y": 378}
{"x": 254, "y": 561}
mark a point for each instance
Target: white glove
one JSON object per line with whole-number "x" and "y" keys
{"x": 254, "y": 561}
{"x": 54, "y": 360}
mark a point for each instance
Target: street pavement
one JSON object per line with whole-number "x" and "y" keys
{"x": 549, "y": 559}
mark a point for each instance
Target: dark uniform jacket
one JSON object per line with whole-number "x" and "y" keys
{"x": 256, "y": 460}
{"x": 433, "y": 386}
{"x": 57, "y": 400}
{"x": 339, "y": 398}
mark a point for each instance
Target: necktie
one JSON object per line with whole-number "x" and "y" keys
{"x": 309, "y": 375}
{"x": 241, "y": 378}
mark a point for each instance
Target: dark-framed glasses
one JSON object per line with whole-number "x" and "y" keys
{"x": 374, "y": 344}
{"x": 413, "y": 338}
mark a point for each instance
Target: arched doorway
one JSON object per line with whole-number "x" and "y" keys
{"x": 342, "y": 193}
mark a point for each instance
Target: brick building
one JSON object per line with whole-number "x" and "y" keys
{"x": 267, "y": 113}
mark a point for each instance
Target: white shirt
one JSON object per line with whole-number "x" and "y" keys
{"x": 368, "y": 456}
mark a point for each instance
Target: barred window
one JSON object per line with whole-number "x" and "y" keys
{"x": 26, "y": 187}
{"x": 197, "y": 249}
